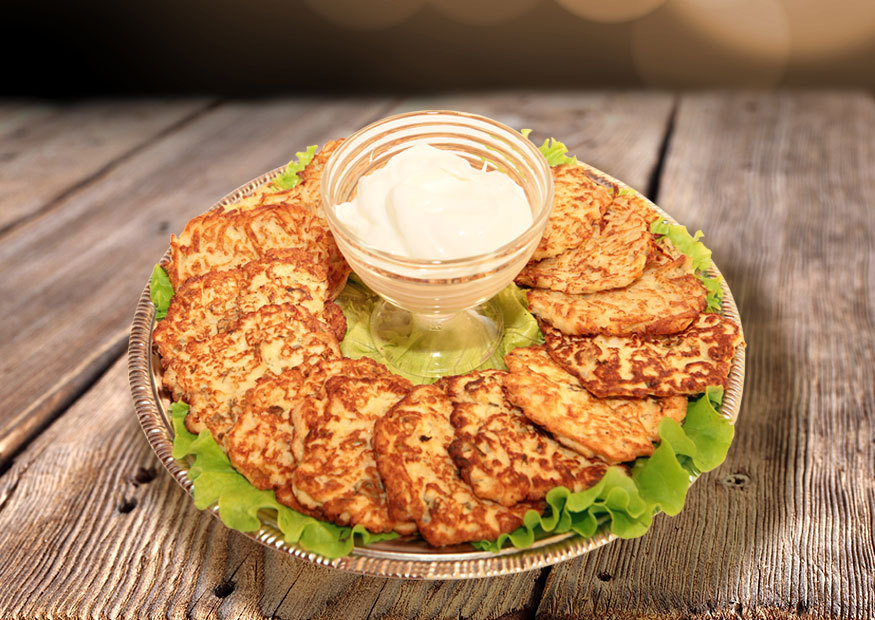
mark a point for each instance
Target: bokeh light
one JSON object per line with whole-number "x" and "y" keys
{"x": 481, "y": 12}
{"x": 369, "y": 15}
{"x": 728, "y": 43}
{"x": 821, "y": 29}
{"x": 610, "y": 11}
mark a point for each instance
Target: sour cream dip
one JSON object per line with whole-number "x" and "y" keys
{"x": 427, "y": 203}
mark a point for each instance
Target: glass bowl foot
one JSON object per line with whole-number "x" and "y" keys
{"x": 432, "y": 346}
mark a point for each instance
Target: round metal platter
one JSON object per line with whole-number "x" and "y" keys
{"x": 409, "y": 558}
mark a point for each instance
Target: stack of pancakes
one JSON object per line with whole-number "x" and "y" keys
{"x": 251, "y": 343}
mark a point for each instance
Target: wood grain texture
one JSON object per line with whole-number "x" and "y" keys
{"x": 92, "y": 526}
{"x": 619, "y": 133}
{"x": 71, "y": 275}
{"x": 782, "y": 186}
{"x": 45, "y": 156}
{"x": 160, "y": 557}
{"x": 15, "y": 114}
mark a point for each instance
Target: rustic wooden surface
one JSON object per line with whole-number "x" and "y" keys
{"x": 91, "y": 526}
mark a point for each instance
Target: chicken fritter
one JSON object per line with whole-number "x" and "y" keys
{"x": 638, "y": 366}
{"x": 411, "y": 443}
{"x": 224, "y": 239}
{"x": 612, "y": 257}
{"x": 259, "y": 443}
{"x": 312, "y": 399}
{"x": 615, "y": 430}
{"x": 632, "y": 200}
{"x": 338, "y": 473}
{"x": 211, "y": 303}
{"x": 579, "y": 203}
{"x": 500, "y": 453}
{"x": 212, "y": 375}
{"x": 665, "y": 300}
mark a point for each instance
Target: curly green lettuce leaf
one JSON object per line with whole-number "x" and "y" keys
{"x": 289, "y": 178}
{"x": 357, "y": 301}
{"x": 161, "y": 291}
{"x": 215, "y": 481}
{"x": 624, "y": 503}
{"x": 555, "y": 152}
{"x": 701, "y": 256}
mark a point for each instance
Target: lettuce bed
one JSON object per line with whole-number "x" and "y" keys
{"x": 624, "y": 501}
{"x": 357, "y": 300}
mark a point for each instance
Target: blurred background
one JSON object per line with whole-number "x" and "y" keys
{"x": 257, "y": 47}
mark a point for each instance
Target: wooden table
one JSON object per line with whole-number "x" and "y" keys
{"x": 783, "y": 185}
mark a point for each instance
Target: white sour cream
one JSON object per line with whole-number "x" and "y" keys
{"x": 427, "y": 203}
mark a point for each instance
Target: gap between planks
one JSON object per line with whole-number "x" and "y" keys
{"x": 53, "y": 202}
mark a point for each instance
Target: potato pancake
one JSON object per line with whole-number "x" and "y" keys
{"x": 210, "y": 303}
{"x": 579, "y": 203}
{"x": 611, "y": 258}
{"x": 212, "y": 375}
{"x": 638, "y": 366}
{"x": 665, "y": 300}
{"x": 338, "y": 473}
{"x": 224, "y": 239}
{"x": 411, "y": 443}
{"x": 503, "y": 455}
{"x": 615, "y": 430}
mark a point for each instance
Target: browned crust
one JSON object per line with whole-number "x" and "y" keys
{"x": 579, "y": 203}
{"x": 211, "y": 302}
{"x": 637, "y": 366}
{"x": 615, "y": 430}
{"x": 614, "y": 256}
{"x": 212, "y": 374}
{"x": 411, "y": 443}
{"x": 224, "y": 239}
{"x": 665, "y": 300}
{"x": 500, "y": 453}
{"x": 338, "y": 474}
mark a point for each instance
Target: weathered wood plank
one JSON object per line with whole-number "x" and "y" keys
{"x": 15, "y": 114}
{"x": 620, "y": 133}
{"x": 71, "y": 276}
{"x": 47, "y": 156}
{"x": 783, "y": 186}
{"x": 91, "y": 525}
{"x": 175, "y": 571}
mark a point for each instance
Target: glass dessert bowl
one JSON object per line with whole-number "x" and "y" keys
{"x": 438, "y": 309}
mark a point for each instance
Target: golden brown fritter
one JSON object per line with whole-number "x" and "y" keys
{"x": 309, "y": 408}
{"x": 579, "y": 203}
{"x": 615, "y": 430}
{"x": 500, "y": 453}
{"x": 613, "y": 257}
{"x": 210, "y": 303}
{"x": 224, "y": 239}
{"x": 637, "y": 366}
{"x": 665, "y": 300}
{"x": 632, "y": 200}
{"x": 338, "y": 474}
{"x": 411, "y": 443}
{"x": 259, "y": 442}
{"x": 212, "y": 375}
